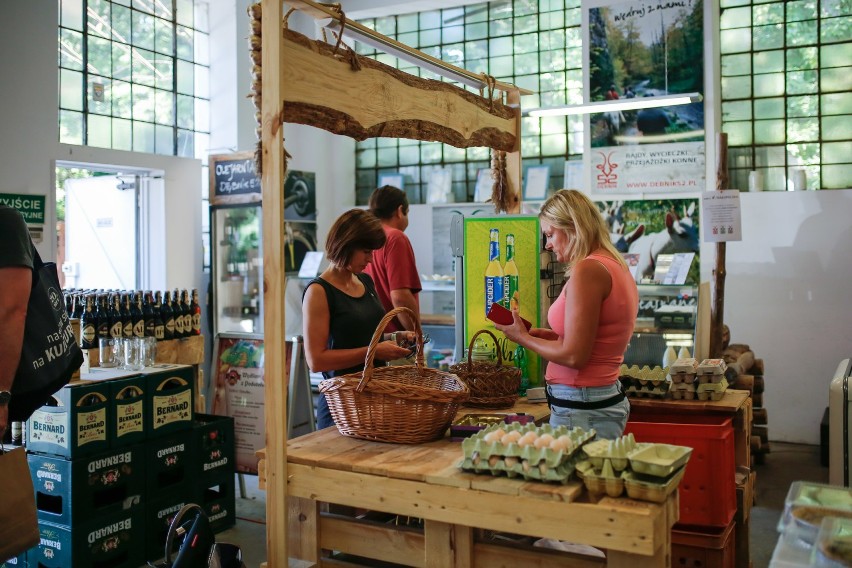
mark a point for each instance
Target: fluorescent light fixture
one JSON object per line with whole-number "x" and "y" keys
{"x": 402, "y": 51}
{"x": 616, "y": 105}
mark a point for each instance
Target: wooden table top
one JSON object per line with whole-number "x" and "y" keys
{"x": 730, "y": 403}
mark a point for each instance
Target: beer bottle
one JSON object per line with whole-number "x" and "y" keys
{"x": 79, "y": 305}
{"x": 69, "y": 303}
{"x": 493, "y": 272}
{"x": 195, "y": 311}
{"x": 159, "y": 326}
{"x": 148, "y": 313}
{"x": 168, "y": 315}
{"x": 137, "y": 315}
{"x": 176, "y": 308}
{"x": 116, "y": 323}
{"x": 511, "y": 297}
{"x": 187, "y": 313}
{"x": 103, "y": 316}
{"x": 126, "y": 315}
{"x": 89, "y": 325}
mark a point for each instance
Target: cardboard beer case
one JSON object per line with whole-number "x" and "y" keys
{"x": 75, "y": 422}
{"x": 169, "y": 396}
{"x": 69, "y": 492}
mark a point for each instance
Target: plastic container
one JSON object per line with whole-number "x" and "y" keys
{"x": 834, "y": 544}
{"x": 805, "y": 507}
{"x": 708, "y": 490}
{"x": 708, "y": 547}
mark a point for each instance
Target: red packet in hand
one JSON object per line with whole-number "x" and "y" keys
{"x": 499, "y": 314}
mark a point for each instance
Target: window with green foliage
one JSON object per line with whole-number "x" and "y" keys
{"x": 534, "y": 44}
{"x": 787, "y": 91}
{"x": 134, "y": 74}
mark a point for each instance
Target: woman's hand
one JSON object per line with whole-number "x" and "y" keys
{"x": 388, "y": 351}
{"x": 516, "y": 330}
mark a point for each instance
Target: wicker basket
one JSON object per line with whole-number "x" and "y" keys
{"x": 491, "y": 385}
{"x": 404, "y": 404}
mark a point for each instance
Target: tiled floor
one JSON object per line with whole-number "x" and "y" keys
{"x": 786, "y": 463}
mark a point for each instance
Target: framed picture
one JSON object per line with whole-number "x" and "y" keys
{"x": 537, "y": 182}
{"x": 484, "y": 184}
{"x": 394, "y": 179}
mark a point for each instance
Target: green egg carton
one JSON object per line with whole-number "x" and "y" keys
{"x": 616, "y": 451}
{"x": 651, "y": 488}
{"x": 604, "y": 480}
{"x": 660, "y": 460}
{"x": 515, "y": 460}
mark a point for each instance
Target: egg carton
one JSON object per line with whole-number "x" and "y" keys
{"x": 683, "y": 391}
{"x": 658, "y": 460}
{"x": 644, "y": 374}
{"x": 614, "y": 451}
{"x": 484, "y": 453}
{"x": 604, "y": 480}
{"x": 650, "y": 391}
{"x": 712, "y": 391}
{"x": 712, "y": 367}
{"x": 685, "y": 378}
{"x": 649, "y": 488}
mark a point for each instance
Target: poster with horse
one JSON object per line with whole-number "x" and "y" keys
{"x": 640, "y": 49}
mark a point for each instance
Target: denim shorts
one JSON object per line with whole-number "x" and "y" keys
{"x": 608, "y": 422}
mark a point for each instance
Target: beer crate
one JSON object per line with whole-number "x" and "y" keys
{"x": 75, "y": 423}
{"x": 169, "y": 399}
{"x": 217, "y": 498}
{"x": 159, "y": 513}
{"x": 128, "y": 420}
{"x": 171, "y": 463}
{"x": 213, "y": 437}
{"x": 116, "y": 540}
{"x": 19, "y": 561}
{"x": 69, "y": 492}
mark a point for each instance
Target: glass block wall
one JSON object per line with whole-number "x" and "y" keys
{"x": 535, "y": 44}
{"x": 787, "y": 92}
{"x": 134, "y": 75}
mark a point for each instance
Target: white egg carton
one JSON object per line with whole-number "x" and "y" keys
{"x": 614, "y": 451}
{"x": 500, "y": 450}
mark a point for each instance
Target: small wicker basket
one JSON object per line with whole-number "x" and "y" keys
{"x": 491, "y": 385}
{"x": 404, "y": 404}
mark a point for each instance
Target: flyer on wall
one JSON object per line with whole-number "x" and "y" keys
{"x": 639, "y": 49}
{"x": 239, "y": 394}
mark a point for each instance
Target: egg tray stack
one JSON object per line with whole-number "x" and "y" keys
{"x": 540, "y": 453}
{"x": 693, "y": 380}
{"x": 644, "y": 382}
{"x": 648, "y": 472}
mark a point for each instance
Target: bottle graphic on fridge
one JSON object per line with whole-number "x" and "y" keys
{"x": 493, "y": 272}
{"x": 511, "y": 276}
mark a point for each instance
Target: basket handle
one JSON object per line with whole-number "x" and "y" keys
{"x": 367, "y": 374}
{"x": 470, "y": 349}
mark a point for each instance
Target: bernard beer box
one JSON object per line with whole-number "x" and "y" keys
{"x": 115, "y": 540}
{"x": 69, "y": 492}
{"x": 128, "y": 420}
{"x": 169, "y": 391}
{"x": 159, "y": 513}
{"x": 74, "y": 423}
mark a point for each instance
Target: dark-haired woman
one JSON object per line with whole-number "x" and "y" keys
{"x": 340, "y": 308}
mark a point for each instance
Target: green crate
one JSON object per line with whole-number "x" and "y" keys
{"x": 115, "y": 540}
{"x": 127, "y": 397}
{"x": 171, "y": 463}
{"x": 216, "y": 496}
{"x": 19, "y": 561}
{"x": 69, "y": 492}
{"x": 159, "y": 513}
{"x": 169, "y": 396}
{"x": 213, "y": 437}
{"x": 77, "y": 425}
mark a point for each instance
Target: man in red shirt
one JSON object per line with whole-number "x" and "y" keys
{"x": 393, "y": 268}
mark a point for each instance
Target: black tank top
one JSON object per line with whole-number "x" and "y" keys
{"x": 352, "y": 321}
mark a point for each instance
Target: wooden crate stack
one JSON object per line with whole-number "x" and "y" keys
{"x": 745, "y": 372}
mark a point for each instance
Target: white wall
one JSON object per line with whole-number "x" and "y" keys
{"x": 30, "y": 148}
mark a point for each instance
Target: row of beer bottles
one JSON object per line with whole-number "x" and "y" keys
{"x": 501, "y": 280}
{"x": 170, "y": 315}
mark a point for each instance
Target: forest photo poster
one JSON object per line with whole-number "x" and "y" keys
{"x": 646, "y": 48}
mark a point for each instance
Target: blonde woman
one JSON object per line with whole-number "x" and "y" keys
{"x": 591, "y": 321}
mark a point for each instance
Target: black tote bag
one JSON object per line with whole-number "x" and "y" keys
{"x": 50, "y": 352}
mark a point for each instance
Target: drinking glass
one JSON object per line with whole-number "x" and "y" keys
{"x": 149, "y": 351}
{"x": 107, "y": 351}
{"x": 132, "y": 348}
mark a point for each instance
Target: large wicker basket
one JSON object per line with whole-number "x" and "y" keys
{"x": 404, "y": 404}
{"x": 491, "y": 385}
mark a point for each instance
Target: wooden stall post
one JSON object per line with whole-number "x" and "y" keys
{"x": 274, "y": 368}
{"x": 719, "y": 273}
{"x": 514, "y": 166}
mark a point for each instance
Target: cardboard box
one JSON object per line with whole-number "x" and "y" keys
{"x": 128, "y": 419}
{"x": 115, "y": 540}
{"x": 69, "y": 492}
{"x": 213, "y": 437}
{"x": 75, "y": 423}
{"x": 169, "y": 395}
{"x": 171, "y": 463}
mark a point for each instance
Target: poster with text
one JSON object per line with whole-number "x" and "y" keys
{"x": 638, "y": 49}
{"x": 501, "y": 264}
{"x": 239, "y": 394}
